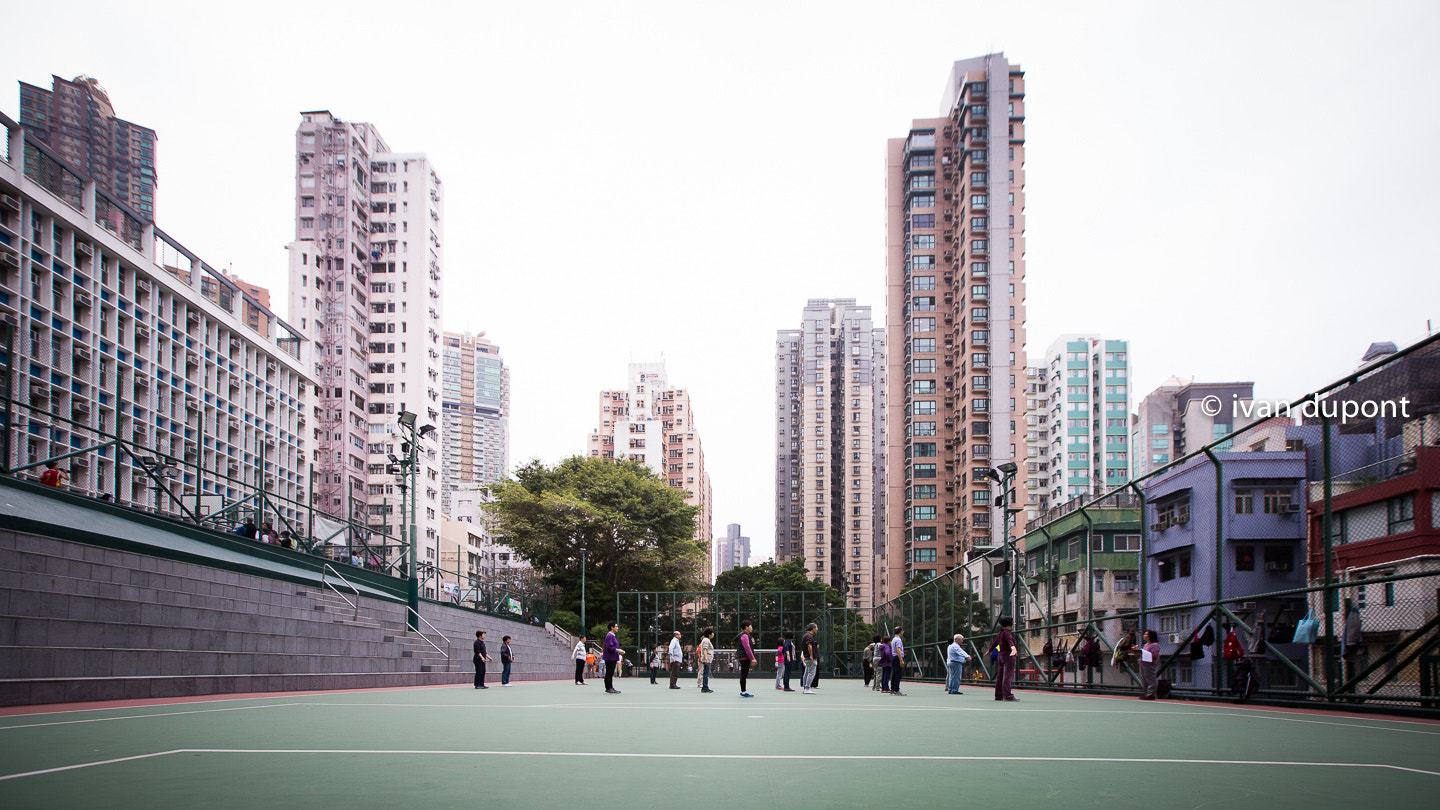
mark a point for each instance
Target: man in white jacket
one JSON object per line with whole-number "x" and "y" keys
{"x": 580, "y": 654}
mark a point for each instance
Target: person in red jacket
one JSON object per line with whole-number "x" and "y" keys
{"x": 53, "y": 475}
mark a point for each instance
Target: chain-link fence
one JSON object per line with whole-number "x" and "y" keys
{"x": 1291, "y": 549}
{"x": 648, "y": 620}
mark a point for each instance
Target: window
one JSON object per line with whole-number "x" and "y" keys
{"x": 922, "y": 201}
{"x": 924, "y": 304}
{"x": 923, "y": 387}
{"x": 1174, "y": 566}
{"x": 923, "y": 325}
{"x": 925, "y": 492}
{"x": 1099, "y": 581}
{"x": 1127, "y": 542}
{"x": 1127, "y": 583}
{"x": 924, "y": 471}
{"x": 1245, "y": 502}
{"x": 922, "y": 221}
{"x": 925, "y": 449}
{"x": 1401, "y": 512}
{"x": 1279, "y": 559}
{"x": 922, "y": 367}
{"x": 925, "y": 513}
{"x": 924, "y": 428}
{"x": 923, "y": 555}
{"x": 980, "y": 497}
{"x": 1277, "y": 501}
{"x": 1072, "y": 549}
{"x": 922, "y": 283}
{"x": 923, "y": 407}
{"x": 1244, "y": 558}
{"x": 924, "y": 345}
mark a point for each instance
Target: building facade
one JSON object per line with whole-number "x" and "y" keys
{"x": 116, "y": 338}
{"x": 77, "y": 121}
{"x": 475, "y": 397}
{"x": 955, "y": 317}
{"x": 826, "y": 458}
{"x": 1174, "y": 419}
{"x": 365, "y": 286}
{"x": 653, "y": 423}
{"x": 1087, "y": 424}
{"x": 731, "y": 551}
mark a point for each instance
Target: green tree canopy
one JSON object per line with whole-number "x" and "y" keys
{"x": 636, "y": 531}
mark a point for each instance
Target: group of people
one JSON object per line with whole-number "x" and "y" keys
{"x": 482, "y": 657}
{"x": 265, "y": 534}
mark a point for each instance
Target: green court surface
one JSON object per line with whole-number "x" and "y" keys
{"x": 544, "y": 745}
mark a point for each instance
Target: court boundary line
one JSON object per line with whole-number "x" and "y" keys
{"x": 145, "y": 716}
{"x": 796, "y": 757}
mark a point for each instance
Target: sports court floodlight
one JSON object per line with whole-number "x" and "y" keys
{"x": 407, "y": 419}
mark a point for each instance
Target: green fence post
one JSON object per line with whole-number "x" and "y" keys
{"x": 1327, "y": 596}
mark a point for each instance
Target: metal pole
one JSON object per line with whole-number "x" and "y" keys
{"x": 584, "y": 629}
{"x": 413, "y": 457}
{"x": 1328, "y": 595}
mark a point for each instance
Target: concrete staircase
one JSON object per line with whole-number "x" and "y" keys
{"x": 80, "y": 622}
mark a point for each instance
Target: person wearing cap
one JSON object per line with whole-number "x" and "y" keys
{"x": 677, "y": 654}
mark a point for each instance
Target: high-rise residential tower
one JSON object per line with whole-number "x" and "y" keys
{"x": 732, "y": 550}
{"x": 826, "y": 457}
{"x": 955, "y": 318}
{"x": 1176, "y": 419}
{"x": 1084, "y": 442}
{"x": 365, "y": 286}
{"x": 475, "y": 395}
{"x": 76, "y": 120}
{"x": 653, "y": 423}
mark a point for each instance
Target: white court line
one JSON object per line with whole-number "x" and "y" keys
{"x": 1197, "y": 712}
{"x": 805, "y": 757}
{"x": 143, "y": 716}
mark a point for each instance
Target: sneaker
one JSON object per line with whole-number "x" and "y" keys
{"x": 746, "y": 694}
{"x": 612, "y": 691}
{"x": 884, "y": 691}
{"x": 1012, "y": 700}
{"x": 707, "y": 691}
{"x": 780, "y": 689}
{"x": 674, "y": 687}
{"x": 787, "y": 689}
{"x": 806, "y": 691}
{"x": 482, "y": 687}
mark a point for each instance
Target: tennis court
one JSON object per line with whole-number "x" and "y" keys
{"x": 541, "y": 745}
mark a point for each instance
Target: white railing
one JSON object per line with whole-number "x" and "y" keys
{"x": 325, "y": 572}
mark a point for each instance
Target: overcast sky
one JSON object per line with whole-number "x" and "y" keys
{"x": 1245, "y": 191}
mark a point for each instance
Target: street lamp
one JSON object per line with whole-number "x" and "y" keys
{"x": 408, "y": 467}
{"x": 1004, "y": 474}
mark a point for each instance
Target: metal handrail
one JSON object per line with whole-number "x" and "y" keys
{"x": 328, "y": 569}
{"x": 444, "y": 652}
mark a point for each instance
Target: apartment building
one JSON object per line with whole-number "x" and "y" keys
{"x": 732, "y": 550}
{"x": 365, "y": 286}
{"x": 475, "y": 398}
{"x": 826, "y": 457}
{"x": 1086, "y": 431}
{"x": 955, "y": 318}
{"x": 653, "y": 422}
{"x": 1177, "y": 418}
{"x": 122, "y": 333}
{"x": 76, "y": 120}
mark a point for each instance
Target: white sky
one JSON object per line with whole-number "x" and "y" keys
{"x": 1243, "y": 190}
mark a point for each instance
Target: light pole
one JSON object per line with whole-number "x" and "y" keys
{"x": 584, "y": 630}
{"x": 1005, "y": 476}
{"x": 408, "y": 466}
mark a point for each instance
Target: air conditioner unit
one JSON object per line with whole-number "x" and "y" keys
{"x": 82, "y": 299}
{"x": 1181, "y": 521}
{"x": 9, "y": 201}
{"x": 1291, "y": 508}
{"x": 9, "y": 260}
{"x": 82, "y": 352}
{"x": 142, "y": 332}
{"x": 142, "y": 286}
{"x": 1158, "y": 527}
{"x": 84, "y": 249}
{"x": 1177, "y": 638}
{"x": 192, "y": 404}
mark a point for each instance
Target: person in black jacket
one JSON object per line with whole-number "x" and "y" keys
{"x": 480, "y": 659}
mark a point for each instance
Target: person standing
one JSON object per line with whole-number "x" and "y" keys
{"x": 867, "y": 664}
{"x": 1008, "y": 656}
{"x": 789, "y": 645}
{"x": 780, "y": 664}
{"x": 954, "y": 661}
{"x": 480, "y": 659}
{"x": 809, "y": 652}
{"x": 507, "y": 657}
{"x": 745, "y": 654}
{"x": 53, "y": 475}
{"x": 579, "y": 656}
{"x": 897, "y": 663}
{"x": 881, "y": 664}
{"x": 611, "y": 656}
{"x": 677, "y": 654}
{"x": 705, "y": 655}
{"x": 1149, "y": 664}
{"x": 657, "y": 660}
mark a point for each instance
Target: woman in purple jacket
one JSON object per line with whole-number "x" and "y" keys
{"x": 611, "y": 655}
{"x": 745, "y": 654}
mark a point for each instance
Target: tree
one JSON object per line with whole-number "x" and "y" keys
{"x": 637, "y": 532}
